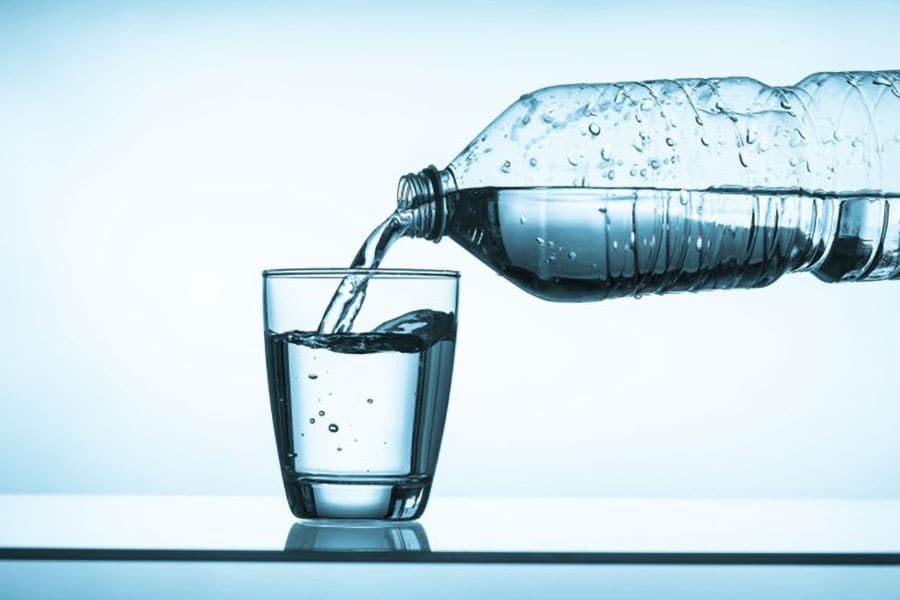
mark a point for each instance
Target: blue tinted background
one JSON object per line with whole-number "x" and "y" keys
{"x": 155, "y": 157}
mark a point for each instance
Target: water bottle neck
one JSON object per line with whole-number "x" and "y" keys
{"x": 424, "y": 194}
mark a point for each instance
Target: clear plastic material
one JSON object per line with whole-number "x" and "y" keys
{"x": 584, "y": 192}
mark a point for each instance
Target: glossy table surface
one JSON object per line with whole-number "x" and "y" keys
{"x": 580, "y": 546}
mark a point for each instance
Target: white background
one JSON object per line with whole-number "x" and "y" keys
{"x": 155, "y": 158}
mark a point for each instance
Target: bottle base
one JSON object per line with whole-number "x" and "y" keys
{"x": 390, "y": 499}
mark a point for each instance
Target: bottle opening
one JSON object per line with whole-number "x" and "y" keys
{"x": 424, "y": 195}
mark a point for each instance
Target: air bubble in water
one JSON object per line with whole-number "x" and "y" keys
{"x": 610, "y": 174}
{"x": 670, "y": 142}
{"x": 369, "y": 400}
{"x": 594, "y": 128}
{"x": 339, "y": 449}
{"x": 539, "y": 240}
{"x": 313, "y": 376}
{"x": 654, "y": 163}
{"x": 646, "y": 104}
{"x": 533, "y": 162}
{"x": 683, "y": 197}
{"x": 522, "y": 220}
{"x": 526, "y": 120}
{"x": 505, "y": 166}
{"x": 703, "y": 141}
{"x": 699, "y": 242}
{"x": 605, "y": 153}
{"x": 572, "y": 255}
{"x": 333, "y": 428}
{"x": 572, "y": 160}
{"x": 321, "y": 413}
{"x": 311, "y": 420}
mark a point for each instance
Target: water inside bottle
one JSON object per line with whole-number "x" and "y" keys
{"x": 583, "y": 244}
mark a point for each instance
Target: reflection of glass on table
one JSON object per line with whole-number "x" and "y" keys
{"x": 357, "y": 537}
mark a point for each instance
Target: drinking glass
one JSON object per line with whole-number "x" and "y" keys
{"x": 359, "y": 415}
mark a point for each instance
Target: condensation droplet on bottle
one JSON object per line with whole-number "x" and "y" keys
{"x": 742, "y": 160}
{"x": 313, "y": 376}
{"x": 838, "y": 136}
{"x": 750, "y": 136}
{"x": 505, "y": 167}
{"x": 339, "y": 449}
{"x": 602, "y": 210}
{"x": 785, "y": 104}
{"x": 369, "y": 401}
{"x": 643, "y": 172}
{"x": 311, "y": 420}
{"x": 547, "y": 118}
{"x": 703, "y": 141}
{"x": 333, "y": 428}
{"x": 526, "y": 119}
{"x": 654, "y": 163}
{"x": 572, "y": 255}
{"x": 605, "y": 153}
{"x": 594, "y": 129}
{"x": 321, "y": 413}
{"x": 611, "y": 174}
{"x": 794, "y": 161}
{"x": 533, "y": 162}
{"x": 522, "y": 220}
{"x": 572, "y": 160}
{"x": 698, "y": 120}
{"x": 670, "y": 142}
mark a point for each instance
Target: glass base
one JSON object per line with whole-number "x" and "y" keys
{"x": 391, "y": 499}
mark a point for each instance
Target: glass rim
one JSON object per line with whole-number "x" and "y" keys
{"x": 335, "y": 273}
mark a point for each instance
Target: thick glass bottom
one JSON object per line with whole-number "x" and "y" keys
{"x": 391, "y": 499}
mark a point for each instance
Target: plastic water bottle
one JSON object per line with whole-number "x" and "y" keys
{"x": 585, "y": 192}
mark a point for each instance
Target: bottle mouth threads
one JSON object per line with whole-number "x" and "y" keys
{"x": 423, "y": 194}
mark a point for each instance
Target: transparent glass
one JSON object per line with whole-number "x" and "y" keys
{"x": 359, "y": 415}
